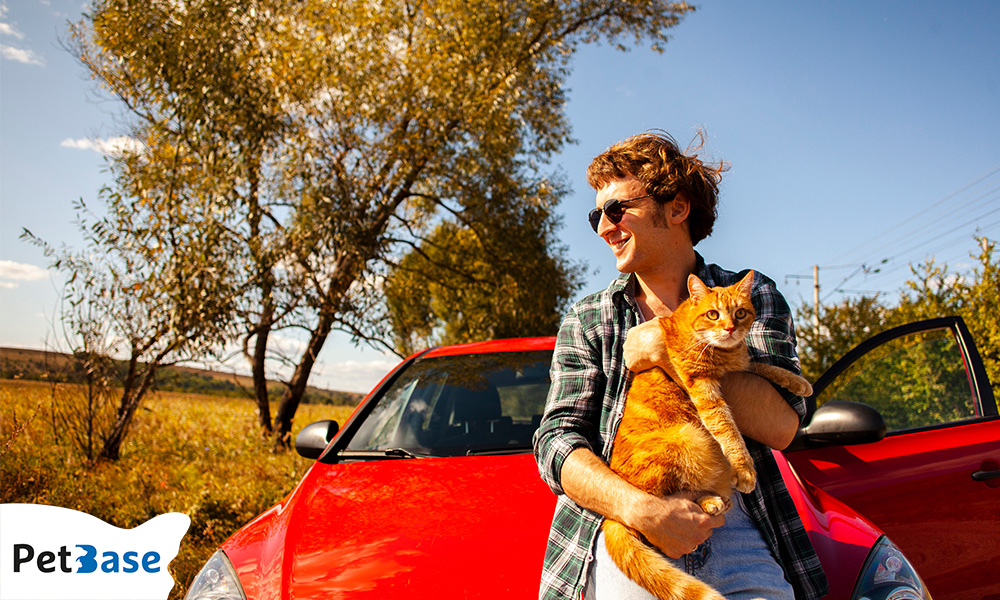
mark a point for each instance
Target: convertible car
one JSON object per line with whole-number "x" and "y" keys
{"x": 430, "y": 489}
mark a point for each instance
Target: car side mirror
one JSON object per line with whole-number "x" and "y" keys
{"x": 841, "y": 423}
{"x": 314, "y": 437}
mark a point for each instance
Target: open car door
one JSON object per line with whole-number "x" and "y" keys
{"x": 924, "y": 465}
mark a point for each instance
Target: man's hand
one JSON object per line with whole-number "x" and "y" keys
{"x": 675, "y": 524}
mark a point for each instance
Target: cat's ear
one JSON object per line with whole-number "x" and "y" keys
{"x": 745, "y": 286}
{"x": 696, "y": 288}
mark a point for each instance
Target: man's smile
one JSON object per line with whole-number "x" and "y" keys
{"x": 618, "y": 244}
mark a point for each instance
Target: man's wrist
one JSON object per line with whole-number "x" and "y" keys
{"x": 641, "y": 510}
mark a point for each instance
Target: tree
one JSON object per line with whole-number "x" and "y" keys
{"x": 200, "y": 93}
{"x": 933, "y": 291}
{"x": 344, "y": 135}
{"x": 488, "y": 277}
{"x": 936, "y": 291}
{"x": 842, "y": 327}
{"x": 152, "y": 297}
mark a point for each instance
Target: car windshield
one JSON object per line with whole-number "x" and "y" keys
{"x": 458, "y": 405}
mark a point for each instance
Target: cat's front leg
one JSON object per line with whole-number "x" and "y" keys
{"x": 718, "y": 419}
{"x": 645, "y": 348}
{"x": 790, "y": 381}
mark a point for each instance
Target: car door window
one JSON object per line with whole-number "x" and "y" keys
{"x": 915, "y": 380}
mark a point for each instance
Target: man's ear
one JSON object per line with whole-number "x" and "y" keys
{"x": 680, "y": 209}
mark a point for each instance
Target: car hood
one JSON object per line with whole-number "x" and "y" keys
{"x": 465, "y": 527}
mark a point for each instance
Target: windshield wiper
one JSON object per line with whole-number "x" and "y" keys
{"x": 375, "y": 454}
{"x": 404, "y": 453}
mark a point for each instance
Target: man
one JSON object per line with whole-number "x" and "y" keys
{"x": 654, "y": 204}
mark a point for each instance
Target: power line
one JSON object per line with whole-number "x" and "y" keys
{"x": 914, "y": 235}
{"x": 934, "y": 225}
{"x": 922, "y": 233}
{"x": 858, "y": 249}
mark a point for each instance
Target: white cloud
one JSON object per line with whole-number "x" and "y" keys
{"x": 353, "y": 375}
{"x": 358, "y": 376}
{"x": 116, "y": 146}
{"x": 6, "y": 29}
{"x": 12, "y": 272}
{"x": 20, "y": 55}
{"x": 286, "y": 346}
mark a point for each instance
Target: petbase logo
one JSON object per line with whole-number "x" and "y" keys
{"x": 53, "y": 553}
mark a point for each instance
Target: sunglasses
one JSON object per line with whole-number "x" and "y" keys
{"x": 614, "y": 210}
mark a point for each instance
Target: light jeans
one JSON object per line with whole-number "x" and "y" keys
{"x": 735, "y": 561}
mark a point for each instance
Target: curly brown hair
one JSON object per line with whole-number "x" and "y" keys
{"x": 665, "y": 171}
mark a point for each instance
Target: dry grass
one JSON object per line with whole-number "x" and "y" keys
{"x": 199, "y": 455}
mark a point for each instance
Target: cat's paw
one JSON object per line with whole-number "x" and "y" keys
{"x": 744, "y": 479}
{"x": 801, "y": 388}
{"x": 644, "y": 347}
{"x": 714, "y": 505}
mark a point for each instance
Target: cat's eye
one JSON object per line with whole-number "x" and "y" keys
{"x": 713, "y": 315}
{"x": 741, "y": 313}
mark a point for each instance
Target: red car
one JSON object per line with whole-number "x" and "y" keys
{"x": 430, "y": 489}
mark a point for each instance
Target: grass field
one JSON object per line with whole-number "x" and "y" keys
{"x": 198, "y": 455}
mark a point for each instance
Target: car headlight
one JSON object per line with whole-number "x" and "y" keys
{"x": 887, "y": 575}
{"x": 216, "y": 581}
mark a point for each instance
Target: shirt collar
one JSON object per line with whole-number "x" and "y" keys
{"x": 622, "y": 288}
{"x": 626, "y": 282}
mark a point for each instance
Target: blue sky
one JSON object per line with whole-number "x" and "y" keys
{"x": 857, "y": 132}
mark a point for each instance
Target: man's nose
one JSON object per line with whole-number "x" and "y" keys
{"x": 605, "y": 226}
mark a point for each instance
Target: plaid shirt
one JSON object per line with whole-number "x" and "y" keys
{"x": 585, "y": 405}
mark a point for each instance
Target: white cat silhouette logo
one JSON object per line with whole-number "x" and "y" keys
{"x": 54, "y": 553}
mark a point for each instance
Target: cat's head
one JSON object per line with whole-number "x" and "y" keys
{"x": 721, "y": 316}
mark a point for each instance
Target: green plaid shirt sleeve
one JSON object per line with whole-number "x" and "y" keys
{"x": 587, "y": 381}
{"x": 584, "y": 407}
{"x": 571, "y": 420}
{"x": 587, "y": 392}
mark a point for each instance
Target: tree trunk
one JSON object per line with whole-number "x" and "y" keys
{"x": 297, "y": 384}
{"x": 346, "y": 273}
{"x": 259, "y": 373}
{"x": 265, "y": 279}
{"x": 133, "y": 392}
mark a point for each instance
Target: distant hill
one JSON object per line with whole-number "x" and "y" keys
{"x": 40, "y": 365}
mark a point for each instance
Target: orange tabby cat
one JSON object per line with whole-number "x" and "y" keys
{"x": 702, "y": 340}
{"x": 668, "y": 441}
{"x": 662, "y": 456}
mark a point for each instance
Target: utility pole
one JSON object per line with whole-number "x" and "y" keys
{"x": 815, "y": 293}
{"x": 816, "y": 297}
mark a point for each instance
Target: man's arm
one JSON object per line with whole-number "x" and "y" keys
{"x": 568, "y": 464}
{"x": 759, "y": 410}
{"x": 674, "y": 524}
